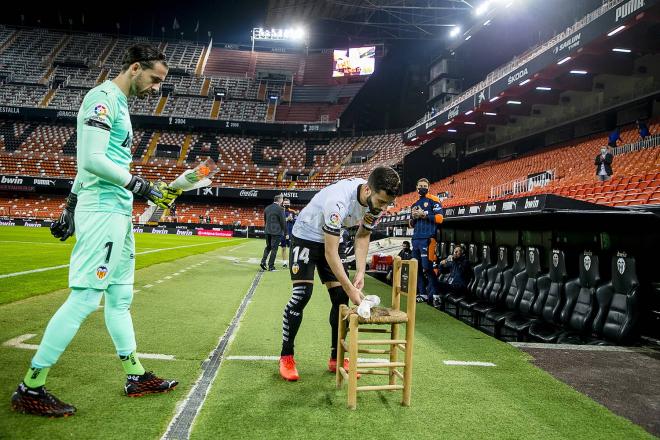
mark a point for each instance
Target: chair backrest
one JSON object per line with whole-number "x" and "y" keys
{"x": 481, "y": 272}
{"x": 475, "y": 266}
{"x": 530, "y": 290}
{"x": 618, "y": 301}
{"x": 404, "y": 282}
{"x": 551, "y": 288}
{"x": 580, "y": 308}
{"x": 494, "y": 275}
{"x": 443, "y": 250}
{"x": 515, "y": 279}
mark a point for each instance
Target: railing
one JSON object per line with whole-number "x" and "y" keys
{"x": 649, "y": 142}
{"x": 529, "y": 55}
{"x": 522, "y": 185}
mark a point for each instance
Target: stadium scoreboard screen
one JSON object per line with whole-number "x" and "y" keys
{"x": 354, "y": 61}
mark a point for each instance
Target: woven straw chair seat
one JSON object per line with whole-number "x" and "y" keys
{"x": 379, "y": 315}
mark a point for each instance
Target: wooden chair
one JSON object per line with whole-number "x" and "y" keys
{"x": 404, "y": 282}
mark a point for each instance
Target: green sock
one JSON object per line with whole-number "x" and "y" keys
{"x": 36, "y": 377}
{"x": 132, "y": 364}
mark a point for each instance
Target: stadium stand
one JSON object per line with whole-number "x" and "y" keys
{"x": 636, "y": 180}
{"x": 50, "y": 206}
{"x": 38, "y": 61}
{"x": 48, "y": 150}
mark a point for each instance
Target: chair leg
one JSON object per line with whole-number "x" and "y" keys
{"x": 341, "y": 330}
{"x": 407, "y": 370}
{"x": 352, "y": 366}
{"x": 394, "y": 353}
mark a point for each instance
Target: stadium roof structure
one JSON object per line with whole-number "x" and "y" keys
{"x": 373, "y": 19}
{"x": 606, "y": 42}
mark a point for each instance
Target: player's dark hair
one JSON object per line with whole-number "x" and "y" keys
{"x": 384, "y": 179}
{"x": 145, "y": 54}
{"x": 423, "y": 179}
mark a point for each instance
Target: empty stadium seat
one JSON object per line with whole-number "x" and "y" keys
{"x": 618, "y": 305}
{"x": 484, "y": 276}
{"x": 550, "y": 294}
{"x": 579, "y": 309}
{"x": 494, "y": 318}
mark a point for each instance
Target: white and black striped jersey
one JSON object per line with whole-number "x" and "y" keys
{"x": 334, "y": 207}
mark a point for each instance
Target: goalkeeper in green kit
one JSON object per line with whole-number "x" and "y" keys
{"x": 99, "y": 209}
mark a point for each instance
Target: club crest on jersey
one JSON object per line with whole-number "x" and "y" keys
{"x": 101, "y": 272}
{"x": 334, "y": 219}
{"x": 295, "y": 268}
{"x": 101, "y": 111}
{"x": 426, "y": 204}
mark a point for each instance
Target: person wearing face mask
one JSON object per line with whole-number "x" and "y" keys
{"x": 603, "y": 164}
{"x": 315, "y": 247}
{"x": 426, "y": 213}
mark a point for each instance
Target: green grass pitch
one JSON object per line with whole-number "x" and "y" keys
{"x": 185, "y": 315}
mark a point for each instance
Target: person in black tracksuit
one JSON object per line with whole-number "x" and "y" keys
{"x": 275, "y": 228}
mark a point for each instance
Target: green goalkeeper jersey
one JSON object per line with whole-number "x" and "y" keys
{"x": 104, "y": 140}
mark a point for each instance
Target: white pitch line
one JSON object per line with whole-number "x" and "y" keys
{"x": 146, "y": 286}
{"x": 470, "y": 363}
{"x": 44, "y": 269}
{"x": 159, "y": 281}
{"x": 136, "y": 291}
{"x": 19, "y": 342}
{"x": 176, "y": 274}
{"x": 572, "y": 347}
{"x": 277, "y": 358}
{"x": 168, "y": 277}
{"x": 237, "y": 247}
{"x": 36, "y": 242}
{"x": 253, "y": 358}
{"x": 188, "y": 409}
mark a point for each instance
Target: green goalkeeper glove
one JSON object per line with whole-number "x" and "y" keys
{"x": 157, "y": 192}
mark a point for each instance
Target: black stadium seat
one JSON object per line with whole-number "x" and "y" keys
{"x": 480, "y": 288}
{"x": 550, "y": 294}
{"x": 522, "y": 293}
{"x": 503, "y": 276}
{"x": 514, "y": 285}
{"x": 579, "y": 309}
{"x": 618, "y": 305}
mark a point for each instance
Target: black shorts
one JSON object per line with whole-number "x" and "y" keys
{"x": 306, "y": 255}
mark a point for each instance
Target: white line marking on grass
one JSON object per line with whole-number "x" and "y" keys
{"x": 36, "y": 242}
{"x": 19, "y": 342}
{"x": 277, "y": 358}
{"x": 159, "y": 281}
{"x": 25, "y": 272}
{"x": 176, "y": 274}
{"x": 136, "y": 291}
{"x": 572, "y": 347}
{"x": 147, "y": 286}
{"x": 162, "y": 357}
{"x": 168, "y": 277}
{"x": 181, "y": 424}
{"x": 253, "y": 358}
{"x": 44, "y": 269}
{"x": 470, "y": 363}
{"x": 237, "y": 247}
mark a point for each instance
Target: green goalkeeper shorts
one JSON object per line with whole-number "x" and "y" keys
{"x": 104, "y": 253}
